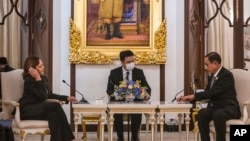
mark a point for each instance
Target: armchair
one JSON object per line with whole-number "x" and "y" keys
{"x": 242, "y": 81}
{"x": 12, "y": 89}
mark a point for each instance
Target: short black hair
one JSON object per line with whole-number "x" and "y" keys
{"x": 125, "y": 53}
{"x": 214, "y": 56}
{"x": 3, "y": 60}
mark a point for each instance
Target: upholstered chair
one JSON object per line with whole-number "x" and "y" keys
{"x": 12, "y": 89}
{"x": 242, "y": 81}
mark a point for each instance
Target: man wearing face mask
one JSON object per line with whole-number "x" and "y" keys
{"x": 127, "y": 71}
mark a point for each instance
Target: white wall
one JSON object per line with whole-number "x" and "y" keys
{"x": 61, "y": 67}
{"x": 174, "y": 11}
{"x": 92, "y": 79}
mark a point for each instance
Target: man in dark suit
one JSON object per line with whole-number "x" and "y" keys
{"x": 116, "y": 76}
{"x": 4, "y": 67}
{"x": 220, "y": 91}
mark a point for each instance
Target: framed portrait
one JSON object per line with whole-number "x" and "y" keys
{"x": 100, "y": 29}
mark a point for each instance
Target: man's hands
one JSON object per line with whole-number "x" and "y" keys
{"x": 185, "y": 98}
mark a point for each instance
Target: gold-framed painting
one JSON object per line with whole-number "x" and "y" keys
{"x": 97, "y": 39}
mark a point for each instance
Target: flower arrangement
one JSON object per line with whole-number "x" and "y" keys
{"x": 130, "y": 90}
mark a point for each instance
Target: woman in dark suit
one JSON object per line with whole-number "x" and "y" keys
{"x": 33, "y": 103}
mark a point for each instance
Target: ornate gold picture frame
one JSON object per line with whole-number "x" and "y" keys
{"x": 146, "y": 38}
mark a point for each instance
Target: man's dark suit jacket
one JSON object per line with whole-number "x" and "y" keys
{"x": 116, "y": 77}
{"x": 222, "y": 94}
{"x": 7, "y": 68}
{"x": 34, "y": 96}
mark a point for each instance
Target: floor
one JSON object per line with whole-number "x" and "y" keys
{"x": 91, "y": 136}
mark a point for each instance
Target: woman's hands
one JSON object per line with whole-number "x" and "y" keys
{"x": 71, "y": 99}
{"x": 34, "y": 73}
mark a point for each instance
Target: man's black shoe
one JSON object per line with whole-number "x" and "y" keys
{"x": 120, "y": 139}
{"x": 108, "y": 36}
{"x": 118, "y": 35}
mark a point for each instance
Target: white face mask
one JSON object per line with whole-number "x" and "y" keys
{"x": 130, "y": 66}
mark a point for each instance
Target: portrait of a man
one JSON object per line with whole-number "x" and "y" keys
{"x": 117, "y": 23}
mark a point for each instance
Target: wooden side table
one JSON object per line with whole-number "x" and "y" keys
{"x": 131, "y": 108}
{"x": 92, "y": 108}
{"x": 181, "y": 109}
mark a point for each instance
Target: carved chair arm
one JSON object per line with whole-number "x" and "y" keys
{"x": 245, "y": 113}
{"x": 10, "y": 102}
{"x": 17, "y": 109}
{"x": 55, "y": 100}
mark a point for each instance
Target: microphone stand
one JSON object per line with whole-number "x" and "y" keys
{"x": 83, "y": 100}
{"x": 176, "y": 95}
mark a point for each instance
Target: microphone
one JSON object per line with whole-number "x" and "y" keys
{"x": 176, "y": 95}
{"x": 83, "y": 100}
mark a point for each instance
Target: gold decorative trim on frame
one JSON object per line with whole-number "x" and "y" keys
{"x": 82, "y": 53}
{"x": 78, "y": 55}
{"x": 158, "y": 56}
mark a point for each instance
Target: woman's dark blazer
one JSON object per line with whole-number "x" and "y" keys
{"x": 34, "y": 96}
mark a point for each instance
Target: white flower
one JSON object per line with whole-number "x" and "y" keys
{"x": 130, "y": 86}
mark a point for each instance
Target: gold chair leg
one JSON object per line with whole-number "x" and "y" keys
{"x": 84, "y": 134}
{"x": 98, "y": 130}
